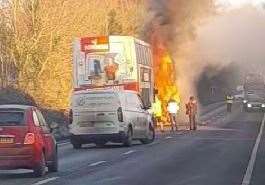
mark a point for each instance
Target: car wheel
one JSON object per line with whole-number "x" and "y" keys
{"x": 128, "y": 140}
{"x": 150, "y": 136}
{"x": 40, "y": 169}
{"x": 53, "y": 167}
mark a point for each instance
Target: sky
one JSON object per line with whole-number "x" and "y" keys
{"x": 238, "y": 3}
{"x": 236, "y": 35}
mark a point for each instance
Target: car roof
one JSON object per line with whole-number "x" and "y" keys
{"x": 103, "y": 91}
{"x": 15, "y": 106}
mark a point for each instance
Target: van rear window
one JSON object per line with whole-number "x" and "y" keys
{"x": 11, "y": 118}
{"x": 96, "y": 99}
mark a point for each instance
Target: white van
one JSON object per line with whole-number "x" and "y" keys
{"x": 100, "y": 116}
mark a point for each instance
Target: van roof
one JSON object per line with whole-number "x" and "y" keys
{"x": 103, "y": 91}
{"x": 15, "y": 106}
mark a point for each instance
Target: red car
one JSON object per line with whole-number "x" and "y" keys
{"x": 26, "y": 141}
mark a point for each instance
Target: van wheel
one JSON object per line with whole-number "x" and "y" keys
{"x": 54, "y": 165}
{"x": 77, "y": 145}
{"x": 128, "y": 140}
{"x": 39, "y": 170}
{"x": 150, "y": 136}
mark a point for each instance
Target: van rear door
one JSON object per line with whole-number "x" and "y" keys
{"x": 96, "y": 109}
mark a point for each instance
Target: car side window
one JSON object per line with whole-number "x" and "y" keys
{"x": 42, "y": 120}
{"x": 36, "y": 119}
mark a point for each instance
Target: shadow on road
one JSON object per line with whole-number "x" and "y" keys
{"x": 18, "y": 175}
{"x": 107, "y": 146}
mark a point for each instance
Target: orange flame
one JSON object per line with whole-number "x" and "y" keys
{"x": 165, "y": 73}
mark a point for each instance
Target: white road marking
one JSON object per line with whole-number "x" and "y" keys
{"x": 251, "y": 164}
{"x": 64, "y": 143}
{"x": 45, "y": 181}
{"x": 129, "y": 152}
{"x": 97, "y": 163}
{"x": 169, "y": 137}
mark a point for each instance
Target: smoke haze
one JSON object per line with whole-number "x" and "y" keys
{"x": 198, "y": 39}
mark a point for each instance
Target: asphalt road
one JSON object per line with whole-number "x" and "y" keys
{"x": 217, "y": 154}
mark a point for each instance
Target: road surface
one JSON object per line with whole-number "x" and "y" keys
{"x": 220, "y": 153}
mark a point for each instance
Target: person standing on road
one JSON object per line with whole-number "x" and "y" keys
{"x": 157, "y": 112}
{"x": 229, "y": 102}
{"x": 191, "y": 111}
{"x": 173, "y": 108}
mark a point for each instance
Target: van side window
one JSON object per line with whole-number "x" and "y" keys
{"x": 35, "y": 119}
{"x": 140, "y": 101}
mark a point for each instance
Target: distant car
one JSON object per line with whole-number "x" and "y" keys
{"x": 107, "y": 115}
{"x": 239, "y": 97}
{"x": 26, "y": 141}
{"x": 254, "y": 103}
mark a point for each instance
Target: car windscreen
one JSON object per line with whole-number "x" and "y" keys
{"x": 255, "y": 97}
{"x": 11, "y": 117}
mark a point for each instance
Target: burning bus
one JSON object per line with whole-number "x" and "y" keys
{"x": 121, "y": 62}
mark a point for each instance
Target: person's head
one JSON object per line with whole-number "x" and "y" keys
{"x": 192, "y": 98}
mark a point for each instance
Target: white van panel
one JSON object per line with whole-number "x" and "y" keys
{"x": 105, "y": 101}
{"x": 96, "y": 112}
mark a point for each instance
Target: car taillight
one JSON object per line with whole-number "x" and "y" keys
{"x": 29, "y": 139}
{"x": 120, "y": 114}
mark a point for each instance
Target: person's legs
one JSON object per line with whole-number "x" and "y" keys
{"x": 175, "y": 122}
{"x": 194, "y": 122}
{"x": 229, "y": 107}
{"x": 161, "y": 124}
{"x": 154, "y": 121}
{"x": 171, "y": 121}
{"x": 190, "y": 121}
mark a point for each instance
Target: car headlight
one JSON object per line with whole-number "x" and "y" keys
{"x": 249, "y": 105}
{"x": 245, "y": 101}
{"x": 263, "y": 105}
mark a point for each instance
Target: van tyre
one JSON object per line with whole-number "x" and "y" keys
{"x": 40, "y": 169}
{"x": 77, "y": 145}
{"x": 150, "y": 136}
{"x": 128, "y": 139}
{"x": 53, "y": 167}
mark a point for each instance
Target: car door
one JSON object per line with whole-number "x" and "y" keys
{"x": 132, "y": 111}
{"x": 143, "y": 117}
{"x": 49, "y": 141}
{"x": 138, "y": 105}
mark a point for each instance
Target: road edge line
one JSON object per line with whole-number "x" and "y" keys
{"x": 251, "y": 164}
{"x": 97, "y": 163}
{"x": 45, "y": 181}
